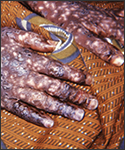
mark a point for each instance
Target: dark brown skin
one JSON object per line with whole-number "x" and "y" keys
{"x": 27, "y": 92}
{"x": 44, "y": 64}
{"x": 31, "y": 40}
{"x": 87, "y": 23}
{"x": 27, "y": 112}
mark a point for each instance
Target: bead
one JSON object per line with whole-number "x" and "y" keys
{"x": 15, "y": 141}
{"x": 87, "y": 90}
{"x": 79, "y": 130}
{"x": 31, "y": 138}
{"x": 31, "y": 147}
{"x": 2, "y": 133}
{"x": 5, "y": 112}
{"x": 97, "y": 91}
{"x": 104, "y": 64}
{"x": 111, "y": 118}
{"x": 84, "y": 123}
{"x": 67, "y": 145}
{"x": 53, "y": 133}
{"x": 39, "y": 131}
{"x": 22, "y": 133}
{"x": 112, "y": 92}
{"x": 60, "y": 143}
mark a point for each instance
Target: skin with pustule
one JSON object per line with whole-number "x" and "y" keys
{"x": 88, "y": 24}
{"x": 30, "y": 87}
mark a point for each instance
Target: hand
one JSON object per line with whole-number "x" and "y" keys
{"x": 90, "y": 25}
{"x": 31, "y": 85}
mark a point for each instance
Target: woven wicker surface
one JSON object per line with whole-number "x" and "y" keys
{"x": 100, "y": 129}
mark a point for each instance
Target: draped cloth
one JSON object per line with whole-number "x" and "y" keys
{"x": 102, "y": 128}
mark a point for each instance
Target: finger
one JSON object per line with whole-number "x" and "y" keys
{"x": 47, "y": 103}
{"x": 98, "y": 46}
{"x": 100, "y": 22}
{"x": 30, "y": 40}
{"x": 119, "y": 15}
{"x": 17, "y": 73}
{"x": 27, "y": 112}
{"x": 57, "y": 88}
{"x": 44, "y": 64}
{"x": 92, "y": 18}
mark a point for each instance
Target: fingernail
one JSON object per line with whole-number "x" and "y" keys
{"x": 48, "y": 123}
{"x": 117, "y": 61}
{"x": 79, "y": 114}
{"x": 93, "y": 104}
